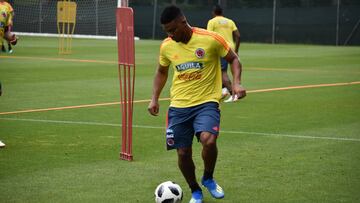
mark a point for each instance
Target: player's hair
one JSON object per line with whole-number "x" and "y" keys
{"x": 170, "y": 13}
{"x": 218, "y": 10}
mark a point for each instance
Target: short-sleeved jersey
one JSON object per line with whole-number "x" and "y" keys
{"x": 223, "y": 26}
{"x": 197, "y": 72}
{"x": 6, "y": 12}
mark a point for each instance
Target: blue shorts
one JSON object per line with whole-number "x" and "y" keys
{"x": 224, "y": 64}
{"x": 184, "y": 123}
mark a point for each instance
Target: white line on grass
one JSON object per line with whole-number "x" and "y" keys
{"x": 159, "y": 127}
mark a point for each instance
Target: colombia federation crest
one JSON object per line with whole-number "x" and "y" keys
{"x": 200, "y": 53}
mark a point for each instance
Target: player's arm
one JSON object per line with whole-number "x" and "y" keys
{"x": 160, "y": 79}
{"x": 11, "y": 14}
{"x": 236, "y": 70}
{"x": 210, "y": 26}
{"x": 10, "y": 20}
{"x": 236, "y": 37}
{"x": 9, "y": 23}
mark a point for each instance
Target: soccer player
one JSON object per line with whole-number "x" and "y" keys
{"x": 194, "y": 54}
{"x": 228, "y": 30}
{"x": 6, "y": 23}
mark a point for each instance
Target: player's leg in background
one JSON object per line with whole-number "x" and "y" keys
{"x": 2, "y": 39}
{"x": 2, "y": 45}
{"x": 226, "y": 82}
{"x": 10, "y": 50}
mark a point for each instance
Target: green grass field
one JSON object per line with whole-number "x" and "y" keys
{"x": 296, "y": 144}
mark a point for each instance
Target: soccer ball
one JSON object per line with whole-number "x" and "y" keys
{"x": 168, "y": 192}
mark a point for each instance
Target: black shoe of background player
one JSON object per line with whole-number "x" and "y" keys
{"x": 3, "y": 48}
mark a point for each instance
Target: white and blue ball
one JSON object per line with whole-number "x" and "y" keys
{"x": 168, "y": 192}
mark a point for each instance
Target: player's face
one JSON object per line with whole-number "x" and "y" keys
{"x": 176, "y": 29}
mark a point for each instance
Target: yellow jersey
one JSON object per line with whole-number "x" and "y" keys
{"x": 197, "y": 72}
{"x": 223, "y": 26}
{"x": 6, "y": 12}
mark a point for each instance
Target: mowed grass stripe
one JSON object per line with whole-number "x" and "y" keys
{"x": 162, "y": 128}
{"x": 115, "y": 62}
{"x": 61, "y": 59}
{"x": 165, "y": 99}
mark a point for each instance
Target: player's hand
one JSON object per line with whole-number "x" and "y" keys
{"x": 153, "y": 108}
{"x": 239, "y": 91}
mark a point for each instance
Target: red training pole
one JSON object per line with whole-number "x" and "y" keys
{"x": 126, "y": 68}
